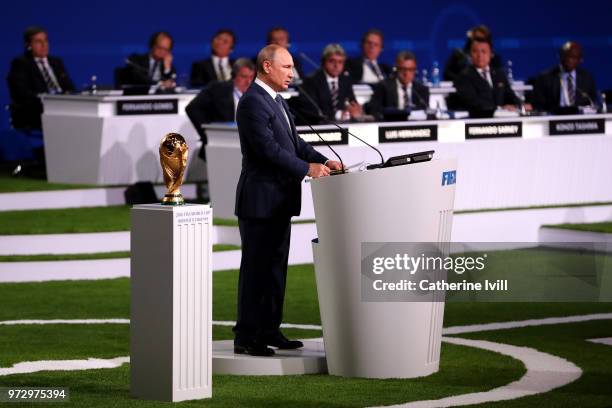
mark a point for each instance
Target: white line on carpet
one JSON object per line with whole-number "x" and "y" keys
{"x": 28, "y": 367}
{"x": 606, "y": 340}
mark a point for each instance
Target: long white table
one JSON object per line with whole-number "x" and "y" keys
{"x": 110, "y": 139}
{"x": 534, "y": 169}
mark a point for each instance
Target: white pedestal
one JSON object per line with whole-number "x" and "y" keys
{"x": 171, "y": 303}
{"x": 379, "y": 339}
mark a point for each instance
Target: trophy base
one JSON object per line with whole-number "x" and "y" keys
{"x": 173, "y": 199}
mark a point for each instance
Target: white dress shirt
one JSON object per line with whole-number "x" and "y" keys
{"x": 400, "y": 94}
{"x": 369, "y": 76}
{"x": 44, "y": 61}
{"x": 227, "y": 69}
{"x": 330, "y": 81}
{"x": 481, "y": 72}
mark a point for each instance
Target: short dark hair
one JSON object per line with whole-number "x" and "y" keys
{"x": 225, "y": 31}
{"x": 483, "y": 30}
{"x": 273, "y": 29}
{"x": 267, "y": 53}
{"x": 405, "y": 56}
{"x": 371, "y": 31}
{"x": 153, "y": 39}
{"x": 31, "y": 32}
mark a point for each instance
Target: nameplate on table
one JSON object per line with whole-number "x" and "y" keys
{"x": 493, "y": 129}
{"x": 331, "y": 136}
{"x": 412, "y": 133}
{"x": 576, "y": 127}
{"x": 148, "y": 107}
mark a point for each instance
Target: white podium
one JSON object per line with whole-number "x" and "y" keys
{"x": 410, "y": 203}
{"x": 171, "y": 302}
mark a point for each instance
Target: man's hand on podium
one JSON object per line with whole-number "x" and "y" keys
{"x": 333, "y": 165}
{"x": 316, "y": 170}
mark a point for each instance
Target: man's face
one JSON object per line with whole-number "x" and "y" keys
{"x": 334, "y": 65}
{"x": 162, "y": 48}
{"x": 481, "y": 54}
{"x": 40, "y": 45}
{"x": 280, "y": 37}
{"x": 243, "y": 79}
{"x": 406, "y": 71}
{"x": 222, "y": 45}
{"x": 372, "y": 46}
{"x": 279, "y": 71}
{"x": 571, "y": 58}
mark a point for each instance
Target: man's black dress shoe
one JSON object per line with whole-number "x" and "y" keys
{"x": 254, "y": 349}
{"x": 281, "y": 342}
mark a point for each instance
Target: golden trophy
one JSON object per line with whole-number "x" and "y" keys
{"x": 173, "y": 152}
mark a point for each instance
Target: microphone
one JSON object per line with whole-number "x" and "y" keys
{"x": 421, "y": 99}
{"x": 134, "y": 65}
{"x": 331, "y": 122}
{"x": 342, "y": 171}
{"x": 587, "y": 96}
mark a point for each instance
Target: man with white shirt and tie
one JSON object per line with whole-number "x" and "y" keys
{"x": 565, "y": 85}
{"x": 330, "y": 88}
{"x": 481, "y": 89}
{"x": 401, "y": 93}
{"x": 34, "y": 73}
{"x": 219, "y": 100}
{"x": 275, "y": 160}
{"x": 367, "y": 68}
{"x": 218, "y": 66}
{"x": 154, "y": 67}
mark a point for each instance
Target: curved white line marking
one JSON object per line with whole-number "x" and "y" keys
{"x": 545, "y": 372}
{"x": 606, "y": 340}
{"x": 28, "y": 367}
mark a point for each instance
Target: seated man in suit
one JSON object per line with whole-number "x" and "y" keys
{"x": 33, "y": 73}
{"x": 402, "y": 92}
{"x": 481, "y": 89}
{"x": 217, "y": 67}
{"x": 366, "y": 68}
{"x": 565, "y": 85}
{"x": 280, "y": 36}
{"x": 461, "y": 59}
{"x": 219, "y": 100}
{"x": 330, "y": 89}
{"x": 154, "y": 67}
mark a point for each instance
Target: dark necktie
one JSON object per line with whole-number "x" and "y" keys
{"x": 221, "y": 72}
{"x": 334, "y": 94}
{"x": 571, "y": 91}
{"x": 484, "y": 73}
{"x": 51, "y": 85}
{"x": 281, "y": 106}
{"x": 375, "y": 69}
{"x": 407, "y": 103}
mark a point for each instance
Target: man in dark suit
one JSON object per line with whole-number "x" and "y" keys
{"x": 481, "y": 89}
{"x": 402, "y": 93}
{"x": 280, "y": 36}
{"x": 460, "y": 57}
{"x": 330, "y": 88}
{"x": 218, "y": 66}
{"x": 274, "y": 162}
{"x": 154, "y": 67}
{"x": 219, "y": 100}
{"x": 35, "y": 72}
{"x": 366, "y": 68}
{"x": 565, "y": 85}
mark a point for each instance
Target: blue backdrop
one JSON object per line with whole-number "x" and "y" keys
{"x": 94, "y": 37}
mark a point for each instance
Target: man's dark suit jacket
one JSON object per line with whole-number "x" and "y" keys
{"x": 475, "y": 95}
{"x": 354, "y": 66}
{"x": 274, "y": 158}
{"x": 203, "y": 72}
{"x": 385, "y": 97}
{"x": 316, "y": 86}
{"x": 137, "y": 71}
{"x": 546, "y": 94}
{"x": 25, "y": 82}
{"x": 215, "y": 103}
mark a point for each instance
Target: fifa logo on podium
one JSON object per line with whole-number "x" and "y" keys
{"x": 449, "y": 177}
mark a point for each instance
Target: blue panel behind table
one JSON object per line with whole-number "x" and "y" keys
{"x": 94, "y": 37}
